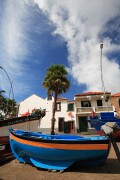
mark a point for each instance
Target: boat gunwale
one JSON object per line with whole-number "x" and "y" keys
{"x": 61, "y": 141}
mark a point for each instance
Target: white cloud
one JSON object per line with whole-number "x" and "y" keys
{"x": 13, "y": 43}
{"x": 12, "y": 32}
{"x": 16, "y": 22}
{"x": 80, "y": 23}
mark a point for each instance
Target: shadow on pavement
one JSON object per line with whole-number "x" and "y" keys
{"x": 112, "y": 166}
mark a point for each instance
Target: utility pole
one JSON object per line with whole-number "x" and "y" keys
{"x": 102, "y": 81}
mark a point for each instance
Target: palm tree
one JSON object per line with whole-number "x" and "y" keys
{"x": 2, "y": 91}
{"x": 2, "y": 102}
{"x": 7, "y": 106}
{"x": 10, "y": 107}
{"x": 2, "y": 99}
{"x": 56, "y": 81}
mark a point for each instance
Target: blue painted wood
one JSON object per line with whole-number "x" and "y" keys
{"x": 55, "y": 158}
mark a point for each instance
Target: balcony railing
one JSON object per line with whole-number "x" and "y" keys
{"x": 98, "y": 109}
{"x": 104, "y": 108}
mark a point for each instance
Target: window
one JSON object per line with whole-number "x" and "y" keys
{"x": 49, "y": 97}
{"x": 85, "y": 104}
{"x": 99, "y": 103}
{"x": 58, "y": 106}
{"x": 71, "y": 107}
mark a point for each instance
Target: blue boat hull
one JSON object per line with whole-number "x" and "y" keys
{"x": 105, "y": 117}
{"x": 59, "y": 154}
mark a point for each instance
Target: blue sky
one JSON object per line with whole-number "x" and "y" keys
{"x": 37, "y": 33}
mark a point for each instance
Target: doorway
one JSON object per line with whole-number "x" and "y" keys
{"x": 83, "y": 124}
{"x": 69, "y": 127}
{"x": 61, "y": 125}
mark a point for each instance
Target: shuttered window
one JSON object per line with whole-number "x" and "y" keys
{"x": 71, "y": 107}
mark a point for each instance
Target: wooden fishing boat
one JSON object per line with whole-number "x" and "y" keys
{"x": 36, "y": 115}
{"x": 5, "y": 150}
{"x": 98, "y": 121}
{"x": 116, "y": 135}
{"x": 17, "y": 122}
{"x": 58, "y": 152}
{"x": 111, "y": 129}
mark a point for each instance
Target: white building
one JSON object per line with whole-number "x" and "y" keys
{"x": 71, "y": 116}
{"x": 63, "y": 116}
{"x": 30, "y": 103}
{"x": 87, "y": 102}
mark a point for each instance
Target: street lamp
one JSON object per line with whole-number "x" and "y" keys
{"x": 11, "y": 87}
{"x": 106, "y": 98}
{"x": 102, "y": 81}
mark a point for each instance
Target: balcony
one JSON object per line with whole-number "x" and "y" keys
{"x": 84, "y": 110}
{"x": 104, "y": 109}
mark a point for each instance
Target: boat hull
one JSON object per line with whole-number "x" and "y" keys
{"x": 116, "y": 135}
{"x": 5, "y": 150}
{"x": 97, "y": 123}
{"x": 58, "y": 154}
{"x": 105, "y": 118}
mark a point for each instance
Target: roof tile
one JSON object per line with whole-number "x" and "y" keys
{"x": 116, "y": 95}
{"x": 91, "y": 93}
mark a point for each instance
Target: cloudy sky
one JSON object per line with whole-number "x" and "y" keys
{"x": 37, "y": 33}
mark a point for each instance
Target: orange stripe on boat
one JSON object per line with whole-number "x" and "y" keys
{"x": 61, "y": 146}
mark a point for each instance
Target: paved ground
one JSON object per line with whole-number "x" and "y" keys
{"x": 13, "y": 170}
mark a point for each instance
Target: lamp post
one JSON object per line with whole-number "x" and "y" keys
{"x": 11, "y": 87}
{"x": 102, "y": 81}
{"x": 8, "y": 79}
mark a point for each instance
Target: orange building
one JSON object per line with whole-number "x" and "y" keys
{"x": 115, "y": 101}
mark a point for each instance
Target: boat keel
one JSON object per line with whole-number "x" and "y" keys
{"x": 52, "y": 165}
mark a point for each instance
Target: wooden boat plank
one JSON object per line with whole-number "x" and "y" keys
{"x": 52, "y": 153}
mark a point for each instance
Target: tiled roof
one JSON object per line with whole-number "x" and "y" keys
{"x": 91, "y": 93}
{"x": 116, "y": 95}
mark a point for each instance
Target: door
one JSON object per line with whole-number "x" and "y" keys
{"x": 83, "y": 124}
{"x": 69, "y": 127}
{"x": 61, "y": 124}
{"x": 71, "y": 124}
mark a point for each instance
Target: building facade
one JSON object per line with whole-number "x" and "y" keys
{"x": 71, "y": 115}
{"x": 65, "y": 115}
{"x": 115, "y": 101}
{"x": 88, "y": 103}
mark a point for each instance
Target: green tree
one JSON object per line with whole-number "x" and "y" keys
{"x": 2, "y": 100}
{"x": 10, "y": 108}
{"x": 2, "y": 91}
{"x": 56, "y": 82}
{"x": 7, "y": 106}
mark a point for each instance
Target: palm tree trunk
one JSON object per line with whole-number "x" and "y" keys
{"x": 53, "y": 116}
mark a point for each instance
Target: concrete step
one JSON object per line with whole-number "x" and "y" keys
{"x": 92, "y": 131}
